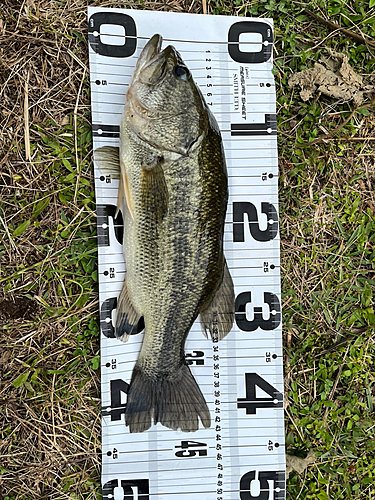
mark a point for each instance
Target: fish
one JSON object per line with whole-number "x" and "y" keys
{"x": 173, "y": 195}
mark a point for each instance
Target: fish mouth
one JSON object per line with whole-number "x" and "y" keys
{"x": 150, "y": 54}
{"x": 151, "y": 68}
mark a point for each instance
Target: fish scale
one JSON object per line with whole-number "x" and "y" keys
{"x": 182, "y": 259}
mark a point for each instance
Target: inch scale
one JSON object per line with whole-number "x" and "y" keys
{"x": 242, "y": 455}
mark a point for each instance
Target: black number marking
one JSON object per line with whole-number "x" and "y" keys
{"x": 253, "y": 487}
{"x": 185, "y": 452}
{"x": 111, "y": 273}
{"x": 240, "y": 208}
{"x": 269, "y": 358}
{"x": 258, "y": 322}
{"x": 272, "y": 445}
{"x": 103, "y": 212}
{"x": 117, "y": 408}
{"x": 267, "y": 267}
{"x": 136, "y": 489}
{"x": 106, "y": 178}
{"x": 251, "y": 403}
{"x": 106, "y": 323}
{"x": 266, "y": 128}
{"x": 127, "y": 22}
{"x": 248, "y": 57}
{"x": 101, "y": 130}
{"x": 195, "y": 355}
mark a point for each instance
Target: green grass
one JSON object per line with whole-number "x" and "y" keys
{"x": 49, "y": 343}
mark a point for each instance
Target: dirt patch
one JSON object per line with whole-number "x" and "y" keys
{"x": 20, "y": 307}
{"x": 333, "y": 77}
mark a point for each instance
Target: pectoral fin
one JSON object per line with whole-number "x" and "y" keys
{"x": 217, "y": 319}
{"x": 128, "y": 321}
{"x": 108, "y": 160}
{"x": 154, "y": 192}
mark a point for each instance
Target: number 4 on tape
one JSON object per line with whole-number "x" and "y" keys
{"x": 251, "y": 402}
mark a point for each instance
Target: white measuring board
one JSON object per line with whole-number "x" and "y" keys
{"x": 242, "y": 454}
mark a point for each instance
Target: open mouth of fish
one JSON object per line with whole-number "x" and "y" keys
{"x": 150, "y": 55}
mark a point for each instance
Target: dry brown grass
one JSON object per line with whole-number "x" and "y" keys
{"x": 50, "y": 423}
{"x": 50, "y": 429}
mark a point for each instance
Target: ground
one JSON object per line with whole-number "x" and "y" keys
{"x": 49, "y": 341}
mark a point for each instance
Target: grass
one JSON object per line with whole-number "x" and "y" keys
{"x": 49, "y": 340}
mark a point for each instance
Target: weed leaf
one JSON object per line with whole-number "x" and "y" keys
{"x": 21, "y": 228}
{"x": 41, "y": 206}
{"x": 21, "y": 379}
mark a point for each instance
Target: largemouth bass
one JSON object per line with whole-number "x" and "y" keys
{"x": 173, "y": 195}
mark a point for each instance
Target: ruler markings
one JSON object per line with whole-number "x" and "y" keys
{"x": 242, "y": 145}
{"x": 178, "y": 40}
{"x": 165, "y": 460}
{"x": 201, "y": 340}
{"x": 194, "y": 468}
{"x": 173, "y": 442}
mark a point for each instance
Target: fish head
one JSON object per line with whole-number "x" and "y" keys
{"x": 164, "y": 106}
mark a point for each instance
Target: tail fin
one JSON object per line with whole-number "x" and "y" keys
{"x": 176, "y": 402}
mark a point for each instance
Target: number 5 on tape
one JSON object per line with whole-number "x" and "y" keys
{"x": 256, "y": 485}
{"x": 137, "y": 489}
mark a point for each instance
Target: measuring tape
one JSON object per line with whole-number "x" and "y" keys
{"x": 242, "y": 454}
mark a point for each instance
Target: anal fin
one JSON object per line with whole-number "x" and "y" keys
{"x": 217, "y": 319}
{"x": 128, "y": 321}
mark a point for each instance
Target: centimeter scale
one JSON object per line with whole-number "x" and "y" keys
{"x": 242, "y": 454}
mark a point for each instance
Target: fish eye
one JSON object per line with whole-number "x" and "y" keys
{"x": 181, "y": 72}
